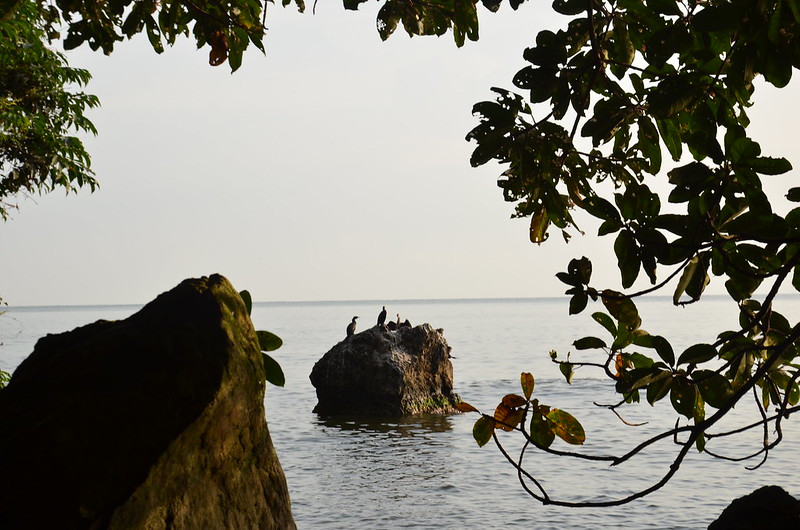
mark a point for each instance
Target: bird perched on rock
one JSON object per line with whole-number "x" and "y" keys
{"x": 382, "y": 316}
{"x": 351, "y": 327}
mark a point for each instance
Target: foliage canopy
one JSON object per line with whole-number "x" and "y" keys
{"x": 624, "y": 83}
{"x": 39, "y": 112}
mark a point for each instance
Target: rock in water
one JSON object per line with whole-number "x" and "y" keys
{"x": 383, "y": 372}
{"x": 156, "y": 422}
{"x": 766, "y": 508}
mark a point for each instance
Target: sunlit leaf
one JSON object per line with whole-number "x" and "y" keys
{"x": 506, "y": 418}
{"x": 513, "y": 400}
{"x": 483, "y": 429}
{"x": 566, "y": 427}
{"x": 539, "y": 224}
{"x": 465, "y": 407}
{"x": 700, "y": 443}
{"x": 527, "y": 382}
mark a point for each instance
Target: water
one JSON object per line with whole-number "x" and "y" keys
{"x": 426, "y": 471}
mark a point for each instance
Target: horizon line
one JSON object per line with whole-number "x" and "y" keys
{"x": 356, "y": 301}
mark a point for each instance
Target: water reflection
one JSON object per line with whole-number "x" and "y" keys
{"x": 397, "y": 467}
{"x": 416, "y": 425}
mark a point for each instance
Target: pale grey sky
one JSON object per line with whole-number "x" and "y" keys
{"x": 334, "y": 168}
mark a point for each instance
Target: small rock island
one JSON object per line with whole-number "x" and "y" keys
{"x": 386, "y": 372}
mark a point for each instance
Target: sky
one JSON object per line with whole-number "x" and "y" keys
{"x": 332, "y": 168}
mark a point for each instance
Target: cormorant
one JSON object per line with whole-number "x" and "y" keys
{"x": 382, "y": 316}
{"x": 405, "y": 324}
{"x": 351, "y": 327}
{"x": 392, "y": 326}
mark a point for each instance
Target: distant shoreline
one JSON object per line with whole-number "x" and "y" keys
{"x": 354, "y": 302}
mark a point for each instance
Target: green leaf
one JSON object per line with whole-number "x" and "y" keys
{"x": 659, "y": 387}
{"x": 715, "y": 388}
{"x": 541, "y": 432}
{"x": 273, "y": 371}
{"x": 684, "y": 397}
{"x": 605, "y": 321}
{"x": 628, "y": 260}
{"x": 664, "y": 350}
{"x": 622, "y": 308}
{"x": 700, "y": 442}
{"x": 688, "y": 273}
{"x": 568, "y": 371}
{"x": 698, "y": 353}
{"x": 539, "y": 224}
{"x": 248, "y": 301}
{"x": 483, "y": 430}
{"x": 601, "y": 208}
{"x": 588, "y": 343}
{"x": 566, "y": 427}
{"x": 268, "y": 341}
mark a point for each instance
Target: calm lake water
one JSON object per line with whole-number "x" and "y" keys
{"x": 426, "y": 471}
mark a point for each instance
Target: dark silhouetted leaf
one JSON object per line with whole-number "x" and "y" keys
{"x": 698, "y": 353}
{"x": 272, "y": 371}
{"x": 567, "y": 370}
{"x": 588, "y": 343}
{"x": 541, "y": 431}
{"x": 268, "y": 341}
{"x": 715, "y": 388}
{"x": 248, "y": 301}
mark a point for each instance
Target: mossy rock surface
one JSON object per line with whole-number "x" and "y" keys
{"x": 155, "y": 421}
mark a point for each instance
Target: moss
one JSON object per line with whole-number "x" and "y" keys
{"x": 432, "y": 404}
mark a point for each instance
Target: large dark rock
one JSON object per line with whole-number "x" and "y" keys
{"x": 383, "y": 372}
{"x": 156, "y": 421}
{"x": 767, "y": 508}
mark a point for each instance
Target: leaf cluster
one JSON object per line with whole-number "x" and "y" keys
{"x": 512, "y": 412}
{"x": 267, "y": 341}
{"x": 41, "y": 113}
{"x": 604, "y": 100}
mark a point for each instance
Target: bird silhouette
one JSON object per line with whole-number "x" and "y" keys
{"x": 382, "y": 316}
{"x": 351, "y": 327}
